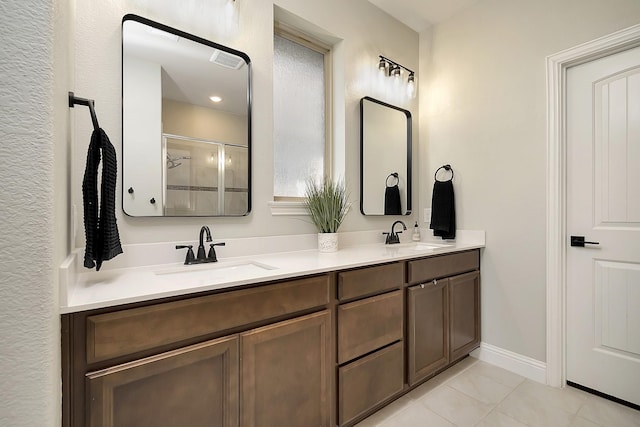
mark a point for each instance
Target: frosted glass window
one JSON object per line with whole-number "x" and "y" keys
{"x": 298, "y": 116}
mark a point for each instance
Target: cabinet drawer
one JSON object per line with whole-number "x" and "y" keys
{"x": 369, "y": 381}
{"x": 129, "y": 331}
{"x": 426, "y": 269}
{"x": 370, "y": 280}
{"x": 368, "y": 324}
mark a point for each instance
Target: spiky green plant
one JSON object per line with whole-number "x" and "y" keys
{"x": 327, "y": 203}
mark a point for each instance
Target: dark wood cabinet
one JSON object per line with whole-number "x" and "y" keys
{"x": 286, "y": 370}
{"x": 464, "y": 314}
{"x": 178, "y": 362}
{"x": 427, "y": 329}
{"x": 443, "y": 312}
{"x": 193, "y": 386}
{"x": 316, "y": 351}
{"x": 370, "y": 339}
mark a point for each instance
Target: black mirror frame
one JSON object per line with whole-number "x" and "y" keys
{"x": 407, "y": 113}
{"x": 180, "y": 33}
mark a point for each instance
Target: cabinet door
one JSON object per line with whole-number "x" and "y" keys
{"x": 286, "y": 373}
{"x": 464, "y": 314}
{"x": 193, "y": 386}
{"x": 427, "y": 329}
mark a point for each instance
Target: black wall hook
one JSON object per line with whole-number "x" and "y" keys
{"x": 74, "y": 100}
{"x": 446, "y": 168}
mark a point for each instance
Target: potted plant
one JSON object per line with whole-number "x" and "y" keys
{"x": 327, "y": 203}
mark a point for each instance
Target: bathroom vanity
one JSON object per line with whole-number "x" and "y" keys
{"x": 321, "y": 348}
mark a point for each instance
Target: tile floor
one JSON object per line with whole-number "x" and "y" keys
{"x": 475, "y": 393}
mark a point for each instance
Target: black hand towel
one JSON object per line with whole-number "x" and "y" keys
{"x": 103, "y": 241}
{"x": 443, "y": 210}
{"x": 392, "y": 201}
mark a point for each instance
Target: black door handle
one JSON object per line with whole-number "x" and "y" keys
{"x": 579, "y": 241}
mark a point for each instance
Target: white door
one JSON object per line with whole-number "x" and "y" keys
{"x": 603, "y": 205}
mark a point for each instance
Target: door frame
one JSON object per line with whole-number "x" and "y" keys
{"x": 557, "y": 65}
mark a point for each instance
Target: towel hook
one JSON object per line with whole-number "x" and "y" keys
{"x": 73, "y": 100}
{"x": 395, "y": 175}
{"x": 446, "y": 168}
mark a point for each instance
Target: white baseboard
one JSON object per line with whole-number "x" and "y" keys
{"x": 522, "y": 365}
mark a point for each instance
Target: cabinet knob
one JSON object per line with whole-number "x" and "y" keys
{"x": 435, "y": 282}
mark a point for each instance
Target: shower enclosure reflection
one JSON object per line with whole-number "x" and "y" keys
{"x": 204, "y": 178}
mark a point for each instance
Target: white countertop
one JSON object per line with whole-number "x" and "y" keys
{"x": 85, "y": 290}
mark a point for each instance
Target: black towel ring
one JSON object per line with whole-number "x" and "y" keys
{"x": 446, "y": 168}
{"x": 395, "y": 175}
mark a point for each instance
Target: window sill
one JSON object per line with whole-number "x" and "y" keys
{"x": 282, "y": 208}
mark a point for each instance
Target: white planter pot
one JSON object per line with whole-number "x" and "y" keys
{"x": 327, "y": 242}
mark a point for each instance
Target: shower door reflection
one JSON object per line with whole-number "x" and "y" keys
{"x": 204, "y": 178}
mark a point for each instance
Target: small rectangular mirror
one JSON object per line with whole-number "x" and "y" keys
{"x": 385, "y": 158}
{"x": 186, "y": 123}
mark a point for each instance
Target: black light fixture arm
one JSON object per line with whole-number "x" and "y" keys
{"x": 74, "y": 100}
{"x": 391, "y": 62}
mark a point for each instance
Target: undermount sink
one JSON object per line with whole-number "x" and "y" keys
{"x": 423, "y": 246}
{"x": 419, "y": 246}
{"x": 222, "y": 269}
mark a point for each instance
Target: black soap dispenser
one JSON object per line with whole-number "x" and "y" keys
{"x": 416, "y": 233}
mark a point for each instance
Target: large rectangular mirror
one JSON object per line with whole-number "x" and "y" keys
{"x": 186, "y": 123}
{"x": 385, "y": 158}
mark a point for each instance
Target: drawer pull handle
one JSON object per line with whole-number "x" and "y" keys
{"x": 422, "y": 285}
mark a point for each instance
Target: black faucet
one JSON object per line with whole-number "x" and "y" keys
{"x": 201, "y": 253}
{"x": 202, "y": 256}
{"x": 393, "y": 236}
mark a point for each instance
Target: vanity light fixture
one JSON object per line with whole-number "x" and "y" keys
{"x": 382, "y": 65}
{"x": 215, "y": 99}
{"x": 395, "y": 70}
{"x": 411, "y": 85}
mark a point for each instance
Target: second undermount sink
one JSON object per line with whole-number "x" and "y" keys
{"x": 219, "y": 270}
{"x": 419, "y": 247}
{"x": 424, "y": 246}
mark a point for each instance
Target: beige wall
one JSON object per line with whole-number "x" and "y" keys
{"x": 483, "y": 110}
{"x": 179, "y": 118}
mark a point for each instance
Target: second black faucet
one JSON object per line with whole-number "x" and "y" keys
{"x": 392, "y": 237}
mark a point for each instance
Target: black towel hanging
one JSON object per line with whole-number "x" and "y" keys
{"x": 443, "y": 210}
{"x": 392, "y": 202}
{"x": 101, "y": 230}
